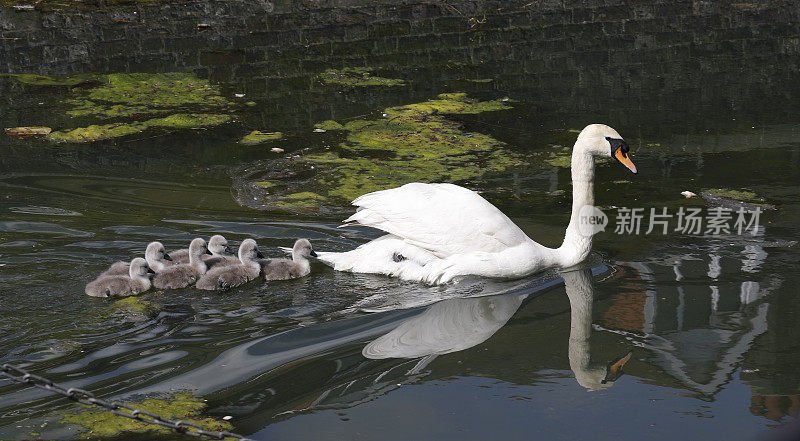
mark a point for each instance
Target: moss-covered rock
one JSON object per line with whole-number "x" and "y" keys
{"x": 181, "y": 406}
{"x": 257, "y": 137}
{"x": 357, "y": 77}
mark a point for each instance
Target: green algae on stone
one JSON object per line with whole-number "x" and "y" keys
{"x": 139, "y": 101}
{"x": 411, "y": 143}
{"x": 96, "y": 132}
{"x": 448, "y": 103}
{"x": 353, "y": 177}
{"x": 181, "y": 406}
{"x": 43, "y": 80}
{"x": 329, "y": 125}
{"x": 735, "y": 199}
{"x": 561, "y": 156}
{"x": 304, "y": 200}
{"x": 161, "y": 90}
{"x": 83, "y": 108}
{"x": 357, "y": 77}
{"x": 257, "y": 137}
{"x": 739, "y": 195}
{"x": 303, "y": 195}
{"x": 189, "y": 120}
{"x": 265, "y": 184}
{"x": 116, "y": 130}
{"x": 135, "y": 305}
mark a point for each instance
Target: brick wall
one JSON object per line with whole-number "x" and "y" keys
{"x": 579, "y": 54}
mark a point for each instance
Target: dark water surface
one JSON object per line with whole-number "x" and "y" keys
{"x": 713, "y": 323}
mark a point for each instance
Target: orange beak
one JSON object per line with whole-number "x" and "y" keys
{"x": 625, "y": 160}
{"x": 614, "y": 370}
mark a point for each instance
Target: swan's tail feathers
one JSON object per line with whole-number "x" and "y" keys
{"x": 328, "y": 257}
{"x": 391, "y": 256}
{"x": 366, "y": 217}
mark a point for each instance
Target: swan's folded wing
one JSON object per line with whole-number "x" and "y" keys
{"x": 443, "y": 218}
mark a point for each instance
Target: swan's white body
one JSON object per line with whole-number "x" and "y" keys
{"x": 438, "y": 232}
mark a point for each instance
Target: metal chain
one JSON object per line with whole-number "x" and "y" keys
{"x": 85, "y": 397}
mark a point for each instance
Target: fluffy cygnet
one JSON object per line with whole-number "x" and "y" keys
{"x": 137, "y": 281}
{"x": 285, "y": 269}
{"x": 154, "y": 254}
{"x": 226, "y": 277}
{"x": 184, "y": 274}
{"x": 217, "y": 245}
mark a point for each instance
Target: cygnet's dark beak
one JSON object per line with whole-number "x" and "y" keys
{"x": 150, "y": 270}
{"x": 258, "y": 254}
{"x": 614, "y": 370}
{"x": 313, "y": 254}
{"x": 166, "y": 257}
{"x": 208, "y": 252}
{"x": 229, "y": 250}
{"x": 619, "y": 150}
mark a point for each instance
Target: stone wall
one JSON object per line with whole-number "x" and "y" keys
{"x": 560, "y": 54}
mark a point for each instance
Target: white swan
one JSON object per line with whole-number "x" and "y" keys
{"x": 458, "y": 324}
{"x": 448, "y": 326}
{"x": 441, "y": 231}
{"x": 579, "y": 286}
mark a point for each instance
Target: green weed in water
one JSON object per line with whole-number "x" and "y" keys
{"x": 115, "y": 130}
{"x": 357, "y": 77}
{"x": 139, "y": 101}
{"x": 256, "y": 137}
{"x": 411, "y": 143}
{"x": 181, "y": 406}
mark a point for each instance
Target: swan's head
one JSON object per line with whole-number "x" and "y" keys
{"x": 155, "y": 252}
{"x": 601, "y": 378}
{"x": 248, "y": 251}
{"x": 218, "y": 245}
{"x": 139, "y": 268}
{"x": 197, "y": 248}
{"x": 302, "y": 248}
{"x": 602, "y": 140}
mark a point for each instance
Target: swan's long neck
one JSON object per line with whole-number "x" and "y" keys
{"x": 580, "y": 291}
{"x": 576, "y": 246}
{"x": 155, "y": 263}
{"x": 248, "y": 259}
{"x": 300, "y": 259}
{"x": 142, "y": 279}
{"x": 197, "y": 262}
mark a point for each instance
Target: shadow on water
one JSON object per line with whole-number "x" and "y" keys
{"x": 710, "y": 321}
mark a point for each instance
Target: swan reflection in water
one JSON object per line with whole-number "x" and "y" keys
{"x": 458, "y": 324}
